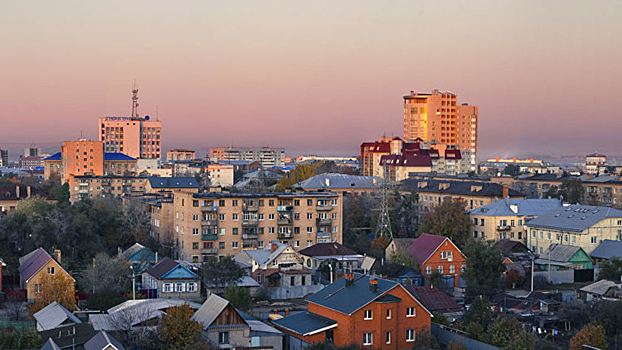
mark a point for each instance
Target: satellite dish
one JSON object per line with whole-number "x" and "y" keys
{"x": 146, "y": 117}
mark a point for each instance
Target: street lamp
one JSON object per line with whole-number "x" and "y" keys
{"x": 133, "y": 283}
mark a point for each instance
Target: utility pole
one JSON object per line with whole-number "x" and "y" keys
{"x": 384, "y": 221}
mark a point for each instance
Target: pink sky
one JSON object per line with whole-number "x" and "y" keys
{"x": 313, "y": 77}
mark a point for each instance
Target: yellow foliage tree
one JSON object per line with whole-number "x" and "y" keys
{"x": 300, "y": 173}
{"x": 59, "y": 287}
{"x": 589, "y": 335}
{"x": 178, "y": 331}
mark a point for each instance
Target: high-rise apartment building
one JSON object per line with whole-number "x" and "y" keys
{"x": 81, "y": 157}
{"x": 135, "y": 136}
{"x": 266, "y": 156}
{"x": 4, "y": 157}
{"x": 437, "y": 118}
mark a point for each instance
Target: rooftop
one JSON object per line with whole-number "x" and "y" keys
{"x": 305, "y": 323}
{"x": 330, "y": 181}
{"x": 327, "y": 249}
{"x": 173, "y": 182}
{"x": 575, "y": 218}
{"x": 471, "y": 188}
{"x": 518, "y": 207}
{"x": 608, "y": 249}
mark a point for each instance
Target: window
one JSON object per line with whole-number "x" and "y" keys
{"x": 452, "y": 269}
{"x": 309, "y": 216}
{"x": 443, "y": 255}
{"x": 223, "y": 337}
{"x": 309, "y": 202}
{"x": 593, "y": 239}
{"x": 482, "y": 222}
{"x": 388, "y": 337}
{"x": 234, "y": 217}
{"x": 440, "y": 269}
{"x": 195, "y": 245}
{"x": 37, "y": 288}
{"x": 428, "y": 270}
{"x": 309, "y": 229}
{"x": 51, "y": 270}
{"x": 221, "y": 231}
{"x": 234, "y": 245}
{"x": 270, "y": 216}
{"x": 260, "y": 217}
{"x": 367, "y": 338}
{"x": 410, "y": 311}
{"x": 410, "y": 335}
{"x": 192, "y": 287}
{"x": 167, "y": 288}
{"x": 221, "y": 245}
{"x": 180, "y": 287}
{"x": 271, "y": 202}
{"x": 270, "y": 229}
{"x": 475, "y": 221}
{"x": 309, "y": 243}
{"x": 388, "y": 314}
{"x": 195, "y": 217}
{"x": 221, "y": 203}
{"x": 221, "y": 217}
{"x": 234, "y": 231}
{"x": 296, "y": 202}
{"x": 234, "y": 202}
{"x": 367, "y": 315}
{"x": 195, "y": 231}
{"x": 297, "y": 244}
{"x": 296, "y": 216}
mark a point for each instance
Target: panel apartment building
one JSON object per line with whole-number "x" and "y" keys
{"x": 437, "y": 118}
{"x": 216, "y": 224}
{"x": 266, "y": 156}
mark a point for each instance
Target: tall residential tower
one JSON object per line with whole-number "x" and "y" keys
{"x": 437, "y": 118}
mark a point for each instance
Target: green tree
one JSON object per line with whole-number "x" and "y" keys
{"x": 572, "y": 190}
{"x": 403, "y": 258}
{"x": 449, "y": 219}
{"x": 221, "y": 273}
{"x": 405, "y": 214}
{"x": 178, "y": 331}
{"x": 512, "y": 170}
{"x": 477, "y": 317}
{"x": 503, "y": 331}
{"x": 552, "y": 192}
{"x": 239, "y": 297}
{"x": 425, "y": 341}
{"x": 589, "y": 335}
{"x": 611, "y": 269}
{"x": 483, "y": 268}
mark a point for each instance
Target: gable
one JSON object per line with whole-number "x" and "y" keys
{"x": 180, "y": 272}
{"x": 43, "y": 270}
{"x": 580, "y": 256}
{"x": 442, "y": 247}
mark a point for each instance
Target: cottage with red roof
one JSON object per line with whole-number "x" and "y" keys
{"x": 35, "y": 265}
{"x": 438, "y": 253}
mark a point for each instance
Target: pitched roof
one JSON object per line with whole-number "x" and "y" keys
{"x": 258, "y": 327}
{"x": 54, "y": 315}
{"x": 434, "y": 299}
{"x": 31, "y": 263}
{"x": 329, "y": 181}
{"x": 560, "y": 252}
{"x": 518, "y": 207}
{"x": 424, "y": 246}
{"x": 601, "y": 287}
{"x": 406, "y": 160}
{"x": 608, "y": 249}
{"x": 162, "y": 267}
{"x": 137, "y": 247}
{"x": 55, "y": 156}
{"x": 510, "y": 246}
{"x": 575, "y": 218}
{"x": 101, "y": 341}
{"x": 117, "y": 156}
{"x": 327, "y": 249}
{"x": 264, "y": 256}
{"x": 136, "y": 311}
{"x": 348, "y": 299}
{"x": 72, "y": 334}
{"x": 305, "y": 323}
{"x": 173, "y": 182}
{"x": 401, "y": 244}
{"x": 477, "y": 188}
{"x": 50, "y": 345}
{"x": 210, "y": 310}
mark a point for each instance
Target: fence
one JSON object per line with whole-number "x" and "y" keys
{"x": 445, "y": 336}
{"x": 557, "y": 277}
{"x": 278, "y": 293}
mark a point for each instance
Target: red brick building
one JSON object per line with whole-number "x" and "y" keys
{"x": 359, "y": 309}
{"x": 438, "y": 253}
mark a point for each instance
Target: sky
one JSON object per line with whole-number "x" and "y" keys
{"x": 315, "y": 77}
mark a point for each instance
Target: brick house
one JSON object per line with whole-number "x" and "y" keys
{"x": 438, "y": 253}
{"x": 359, "y": 309}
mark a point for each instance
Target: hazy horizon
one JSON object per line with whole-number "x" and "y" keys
{"x": 318, "y": 78}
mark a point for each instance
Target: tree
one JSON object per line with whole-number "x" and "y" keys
{"x": 611, "y": 269}
{"x": 239, "y": 297}
{"x": 405, "y": 214}
{"x": 378, "y": 246}
{"x": 449, "y": 219}
{"x": 483, "y": 268}
{"x": 178, "y": 331}
{"x": 425, "y": 340}
{"x": 589, "y": 335}
{"x": 502, "y": 331}
{"x": 553, "y": 192}
{"x": 477, "y": 317}
{"x": 300, "y": 173}
{"x": 221, "y": 273}
{"x": 403, "y": 258}
{"x": 572, "y": 190}
{"x": 58, "y": 287}
{"x": 456, "y": 346}
{"x": 512, "y": 170}
{"x": 11, "y": 338}
{"x": 106, "y": 274}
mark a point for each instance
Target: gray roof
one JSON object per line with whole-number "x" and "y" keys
{"x": 50, "y": 345}
{"x": 258, "y": 327}
{"x": 173, "y": 182}
{"x": 560, "y": 252}
{"x": 341, "y": 181}
{"x": 101, "y": 341}
{"x": 209, "y": 311}
{"x": 463, "y": 188}
{"x": 608, "y": 249}
{"x": 264, "y": 256}
{"x": 245, "y": 281}
{"x": 523, "y": 207}
{"x": 134, "y": 312}
{"x": 305, "y": 323}
{"x": 368, "y": 263}
{"x": 575, "y": 218}
{"x": 53, "y": 316}
{"x": 31, "y": 263}
{"x": 601, "y": 287}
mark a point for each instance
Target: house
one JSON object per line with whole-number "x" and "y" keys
{"x": 603, "y": 289}
{"x": 437, "y": 253}
{"x": 135, "y": 314}
{"x": 50, "y": 345}
{"x": 358, "y": 309}
{"x": 69, "y": 336}
{"x": 37, "y": 264}
{"x": 103, "y": 341}
{"x": 53, "y": 316}
{"x": 564, "y": 257}
{"x": 436, "y": 301}
{"x": 405, "y": 275}
{"x": 226, "y": 327}
{"x": 171, "y": 279}
{"x": 139, "y": 257}
{"x": 318, "y": 253}
{"x": 276, "y": 265}
{"x": 506, "y": 218}
{"x": 605, "y": 251}
{"x": 584, "y": 226}
{"x": 537, "y": 303}
{"x": 398, "y": 246}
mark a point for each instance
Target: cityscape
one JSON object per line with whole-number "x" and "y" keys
{"x": 288, "y": 176}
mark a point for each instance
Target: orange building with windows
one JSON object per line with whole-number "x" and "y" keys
{"x": 81, "y": 157}
{"x": 438, "y": 253}
{"x": 360, "y": 309}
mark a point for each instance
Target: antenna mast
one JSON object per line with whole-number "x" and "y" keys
{"x": 135, "y": 101}
{"x": 384, "y": 221}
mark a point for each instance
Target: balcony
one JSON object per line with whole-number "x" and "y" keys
{"x": 285, "y": 208}
{"x": 209, "y": 237}
{"x": 250, "y": 222}
{"x": 252, "y": 236}
{"x": 284, "y": 221}
{"x": 504, "y": 228}
{"x": 250, "y": 207}
{"x": 209, "y": 209}
{"x": 285, "y": 235}
{"x": 323, "y": 207}
{"x": 209, "y": 251}
{"x": 324, "y": 237}
{"x": 324, "y": 222}
{"x": 209, "y": 222}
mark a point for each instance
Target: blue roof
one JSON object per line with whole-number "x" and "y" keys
{"x": 523, "y": 207}
{"x": 117, "y": 156}
{"x": 608, "y": 249}
{"x": 305, "y": 323}
{"x": 173, "y": 182}
{"x": 348, "y": 299}
{"x": 55, "y": 156}
{"x": 575, "y": 218}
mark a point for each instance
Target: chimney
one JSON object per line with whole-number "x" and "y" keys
{"x": 327, "y": 182}
{"x": 373, "y": 284}
{"x": 589, "y": 176}
{"x": 27, "y": 191}
{"x": 156, "y": 257}
{"x": 506, "y": 191}
{"x": 349, "y": 279}
{"x": 17, "y": 191}
{"x": 274, "y": 246}
{"x": 286, "y": 312}
{"x": 57, "y": 255}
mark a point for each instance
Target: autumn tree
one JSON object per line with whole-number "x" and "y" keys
{"x": 449, "y": 219}
{"x": 58, "y": 287}
{"x": 300, "y": 173}
{"x": 589, "y": 335}
{"x": 483, "y": 268}
{"x": 178, "y": 331}
{"x": 403, "y": 258}
{"x": 106, "y": 274}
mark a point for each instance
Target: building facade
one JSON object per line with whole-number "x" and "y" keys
{"x": 593, "y": 162}
{"x": 136, "y": 137}
{"x": 266, "y": 156}
{"x": 178, "y": 154}
{"x": 81, "y": 157}
{"x": 438, "y": 117}
{"x": 104, "y": 187}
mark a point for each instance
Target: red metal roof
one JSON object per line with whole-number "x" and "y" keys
{"x": 434, "y": 299}
{"x": 424, "y": 246}
{"x": 406, "y": 160}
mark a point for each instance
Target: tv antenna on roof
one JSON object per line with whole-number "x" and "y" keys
{"x": 134, "y": 101}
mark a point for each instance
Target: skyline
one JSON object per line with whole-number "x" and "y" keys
{"x": 247, "y": 74}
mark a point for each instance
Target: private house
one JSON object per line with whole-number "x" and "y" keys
{"x": 606, "y": 250}
{"x": 37, "y": 264}
{"x": 11, "y": 195}
{"x": 584, "y": 226}
{"x": 68, "y": 337}
{"x": 564, "y": 257}
{"x": 171, "y": 279}
{"x": 506, "y": 219}
{"x": 437, "y": 253}
{"x": 603, "y": 289}
{"x": 398, "y": 246}
{"x": 53, "y": 316}
{"x": 358, "y": 309}
{"x": 436, "y": 301}
{"x": 226, "y": 327}
{"x": 103, "y": 341}
{"x": 319, "y": 253}
{"x": 139, "y": 257}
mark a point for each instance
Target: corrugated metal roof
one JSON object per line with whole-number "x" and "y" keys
{"x": 560, "y": 252}
{"x": 424, "y": 246}
{"x": 117, "y": 156}
{"x": 102, "y": 341}
{"x": 209, "y": 311}
{"x": 50, "y": 345}
{"x": 173, "y": 182}
{"x": 523, "y": 207}
{"x": 162, "y": 267}
{"x": 608, "y": 249}
{"x": 32, "y": 263}
{"x": 601, "y": 287}
{"x": 305, "y": 323}
{"x": 134, "y": 312}
{"x": 328, "y": 181}
{"x": 327, "y": 249}
{"x": 53, "y": 316}
{"x": 575, "y": 218}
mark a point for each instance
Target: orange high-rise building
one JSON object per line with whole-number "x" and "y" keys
{"x": 437, "y": 118}
{"x": 81, "y": 157}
